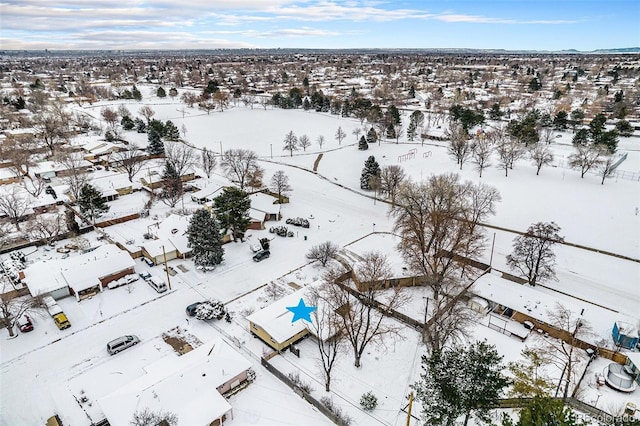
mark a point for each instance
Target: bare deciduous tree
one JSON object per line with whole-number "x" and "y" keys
{"x": 181, "y": 156}
{"x": 280, "y": 184}
{"x": 532, "y": 252}
{"x": 147, "y": 112}
{"x": 327, "y": 329}
{"x": 390, "y": 179}
{"x": 110, "y": 116}
{"x": 12, "y": 308}
{"x": 254, "y": 178}
{"x": 290, "y": 143}
{"x": 34, "y": 185}
{"x": 19, "y": 153}
{"x": 320, "y": 141}
{"x": 541, "y": 156}
{"x": 131, "y": 160}
{"x": 146, "y": 417}
{"x": 361, "y": 322}
{"x": 237, "y": 163}
{"x": 509, "y": 151}
{"x": 208, "y": 161}
{"x": 75, "y": 175}
{"x": 323, "y": 252}
{"x": 304, "y": 142}
{"x": 586, "y": 157}
{"x": 46, "y": 228}
{"x": 14, "y": 204}
{"x": 437, "y": 220}
{"x": 563, "y": 353}
{"x": 481, "y": 150}
{"x": 605, "y": 167}
{"x": 50, "y": 128}
{"x": 357, "y": 131}
{"x": 340, "y": 135}
{"x": 459, "y": 146}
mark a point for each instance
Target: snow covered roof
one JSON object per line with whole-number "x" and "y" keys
{"x": 275, "y": 319}
{"x": 264, "y": 203}
{"x": 185, "y": 386}
{"x": 174, "y": 229}
{"x": 78, "y": 272}
{"x": 538, "y": 302}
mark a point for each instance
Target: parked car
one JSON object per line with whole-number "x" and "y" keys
{"x": 61, "y": 320}
{"x": 191, "y": 309}
{"x": 261, "y": 255}
{"x": 157, "y": 284}
{"x": 24, "y": 324}
{"x": 122, "y": 343}
{"x": 145, "y": 275}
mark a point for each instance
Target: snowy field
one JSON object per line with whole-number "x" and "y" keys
{"x": 52, "y": 366}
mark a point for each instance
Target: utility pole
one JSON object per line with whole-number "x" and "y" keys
{"x": 166, "y": 267}
{"x": 409, "y": 410}
{"x": 492, "y": 244}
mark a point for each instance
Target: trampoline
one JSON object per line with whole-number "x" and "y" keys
{"x": 617, "y": 378}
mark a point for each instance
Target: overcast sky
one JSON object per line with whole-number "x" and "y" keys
{"x": 209, "y": 24}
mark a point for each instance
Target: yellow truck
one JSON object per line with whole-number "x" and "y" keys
{"x": 59, "y": 318}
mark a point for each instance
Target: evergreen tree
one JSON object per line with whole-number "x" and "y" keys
{"x": 544, "y": 411}
{"x": 495, "y": 112}
{"x": 135, "y": 93}
{"x": 412, "y": 92}
{"x": 232, "y": 210}
{"x": 173, "y": 92}
{"x": 372, "y": 136}
{"x": 371, "y": 169}
{"x": 140, "y": 125}
{"x": 158, "y": 126}
{"x": 171, "y": 132}
{"x": 155, "y": 145}
{"x": 362, "y": 144}
{"x": 161, "y": 93}
{"x": 459, "y": 382}
{"x": 172, "y": 189}
{"x": 560, "y": 121}
{"x": 127, "y": 123}
{"x": 204, "y": 239}
{"x": 91, "y": 202}
{"x": 391, "y": 131}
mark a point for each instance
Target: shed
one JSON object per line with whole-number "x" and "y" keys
{"x": 625, "y": 335}
{"x": 632, "y": 366}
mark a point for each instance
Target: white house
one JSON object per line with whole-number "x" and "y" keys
{"x": 190, "y": 386}
{"x": 81, "y": 275}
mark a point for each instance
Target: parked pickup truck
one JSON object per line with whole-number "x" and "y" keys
{"x": 61, "y": 320}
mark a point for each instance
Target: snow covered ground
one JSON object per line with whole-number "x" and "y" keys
{"x": 51, "y": 366}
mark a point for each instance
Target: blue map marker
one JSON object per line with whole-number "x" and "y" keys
{"x": 302, "y": 311}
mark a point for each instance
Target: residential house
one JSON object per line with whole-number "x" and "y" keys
{"x": 81, "y": 275}
{"x": 191, "y": 386}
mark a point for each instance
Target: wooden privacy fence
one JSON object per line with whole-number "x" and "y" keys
{"x": 303, "y": 394}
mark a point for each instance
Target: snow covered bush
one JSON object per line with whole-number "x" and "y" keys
{"x": 210, "y": 309}
{"x": 368, "y": 401}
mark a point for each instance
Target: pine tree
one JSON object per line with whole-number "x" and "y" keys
{"x": 372, "y": 136}
{"x": 171, "y": 132}
{"x": 232, "y": 210}
{"x": 371, "y": 169}
{"x": 161, "y": 93}
{"x": 135, "y": 93}
{"x": 155, "y": 145}
{"x": 91, "y": 202}
{"x": 172, "y": 189}
{"x": 459, "y": 382}
{"x": 203, "y": 235}
{"x": 362, "y": 144}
